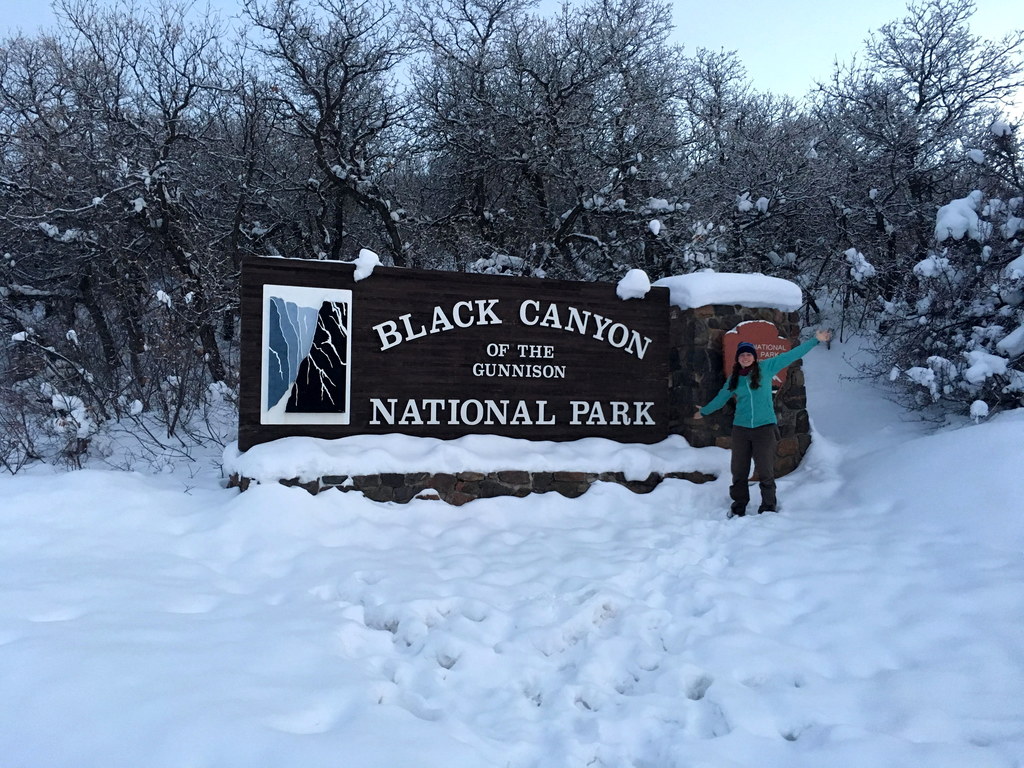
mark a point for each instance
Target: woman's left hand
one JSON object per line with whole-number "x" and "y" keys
{"x": 823, "y": 336}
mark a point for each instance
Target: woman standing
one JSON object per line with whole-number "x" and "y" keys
{"x": 755, "y": 431}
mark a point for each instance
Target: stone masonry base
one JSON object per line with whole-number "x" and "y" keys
{"x": 461, "y": 487}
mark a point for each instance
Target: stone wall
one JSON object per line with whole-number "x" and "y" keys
{"x": 461, "y": 487}
{"x": 696, "y": 376}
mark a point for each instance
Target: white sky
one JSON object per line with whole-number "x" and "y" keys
{"x": 788, "y": 44}
{"x": 785, "y": 44}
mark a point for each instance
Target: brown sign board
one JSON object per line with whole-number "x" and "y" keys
{"x": 766, "y": 340}
{"x": 445, "y": 354}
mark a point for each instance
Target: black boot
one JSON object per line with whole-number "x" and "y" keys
{"x": 737, "y": 510}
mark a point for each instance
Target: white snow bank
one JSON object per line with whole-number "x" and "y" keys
{"x": 969, "y": 474}
{"x": 754, "y": 290}
{"x": 162, "y": 621}
{"x": 308, "y": 458}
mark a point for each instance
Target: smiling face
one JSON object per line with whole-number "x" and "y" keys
{"x": 745, "y": 359}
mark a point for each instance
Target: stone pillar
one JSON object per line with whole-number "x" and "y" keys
{"x": 696, "y": 376}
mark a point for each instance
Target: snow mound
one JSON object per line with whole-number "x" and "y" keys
{"x": 366, "y": 261}
{"x": 309, "y": 458}
{"x": 700, "y": 289}
{"x": 635, "y": 284}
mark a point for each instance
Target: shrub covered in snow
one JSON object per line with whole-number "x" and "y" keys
{"x": 956, "y": 331}
{"x": 60, "y": 405}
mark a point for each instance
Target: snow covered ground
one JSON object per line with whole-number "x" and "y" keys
{"x": 163, "y": 621}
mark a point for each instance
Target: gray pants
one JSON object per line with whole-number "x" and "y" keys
{"x": 757, "y": 443}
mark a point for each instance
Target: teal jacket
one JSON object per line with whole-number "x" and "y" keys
{"x": 754, "y": 407}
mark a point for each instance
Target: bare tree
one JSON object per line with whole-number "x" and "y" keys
{"x": 112, "y": 216}
{"x": 334, "y": 67}
{"x": 549, "y": 135}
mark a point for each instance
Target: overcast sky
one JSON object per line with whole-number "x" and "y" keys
{"x": 784, "y": 44}
{"x": 788, "y": 44}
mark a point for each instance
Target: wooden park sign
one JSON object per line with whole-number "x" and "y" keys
{"x": 443, "y": 354}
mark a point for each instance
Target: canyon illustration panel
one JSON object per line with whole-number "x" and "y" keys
{"x": 307, "y": 373}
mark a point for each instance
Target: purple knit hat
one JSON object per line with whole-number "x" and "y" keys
{"x": 746, "y": 346}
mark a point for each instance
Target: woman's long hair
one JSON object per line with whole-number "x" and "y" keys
{"x": 755, "y": 376}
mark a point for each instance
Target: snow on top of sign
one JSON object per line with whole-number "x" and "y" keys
{"x": 365, "y": 263}
{"x": 754, "y": 290}
{"x": 308, "y": 458}
{"x": 739, "y": 328}
{"x": 635, "y": 284}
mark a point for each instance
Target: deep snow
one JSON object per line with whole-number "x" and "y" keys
{"x": 164, "y": 621}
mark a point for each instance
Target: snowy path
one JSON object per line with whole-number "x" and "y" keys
{"x": 875, "y": 622}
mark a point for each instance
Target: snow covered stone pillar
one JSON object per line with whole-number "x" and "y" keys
{"x": 706, "y": 306}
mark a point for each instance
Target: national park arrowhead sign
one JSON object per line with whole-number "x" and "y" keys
{"x": 766, "y": 339}
{"x": 444, "y": 354}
